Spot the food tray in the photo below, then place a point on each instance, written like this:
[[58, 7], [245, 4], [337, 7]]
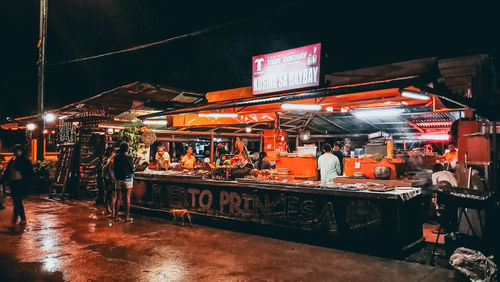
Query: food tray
[[342, 186], [384, 189], [247, 180], [310, 183]]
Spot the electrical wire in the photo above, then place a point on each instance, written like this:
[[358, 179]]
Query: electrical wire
[[165, 41]]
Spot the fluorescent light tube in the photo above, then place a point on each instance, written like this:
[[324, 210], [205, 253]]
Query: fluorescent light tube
[[301, 107], [414, 94], [155, 122], [219, 115], [378, 113]]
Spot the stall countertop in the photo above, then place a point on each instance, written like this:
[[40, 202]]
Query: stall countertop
[[399, 193]]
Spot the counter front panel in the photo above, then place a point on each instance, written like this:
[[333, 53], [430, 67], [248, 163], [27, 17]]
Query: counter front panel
[[389, 220]]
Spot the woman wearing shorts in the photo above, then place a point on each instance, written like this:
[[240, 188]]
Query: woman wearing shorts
[[124, 175]]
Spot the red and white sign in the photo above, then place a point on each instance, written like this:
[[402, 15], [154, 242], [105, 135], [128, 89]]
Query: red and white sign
[[286, 70]]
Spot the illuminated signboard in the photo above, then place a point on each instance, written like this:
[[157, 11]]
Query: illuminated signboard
[[286, 70]]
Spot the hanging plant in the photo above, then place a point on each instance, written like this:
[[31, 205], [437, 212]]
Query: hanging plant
[[132, 138]]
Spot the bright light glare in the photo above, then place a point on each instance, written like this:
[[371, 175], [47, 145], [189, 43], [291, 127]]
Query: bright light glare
[[110, 130], [49, 117], [302, 107], [437, 137], [329, 109], [155, 122], [378, 113], [344, 109], [248, 129], [219, 115], [30, 126], [414, 94]]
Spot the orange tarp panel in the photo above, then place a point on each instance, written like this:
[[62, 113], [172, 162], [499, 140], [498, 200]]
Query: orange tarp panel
[[230, 94], [275, 141], [195, 120], [368, 99], [7, 126], [303, 167], [34, 150], [465, 127]]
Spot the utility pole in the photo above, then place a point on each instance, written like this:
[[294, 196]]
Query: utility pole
[[41, 77]]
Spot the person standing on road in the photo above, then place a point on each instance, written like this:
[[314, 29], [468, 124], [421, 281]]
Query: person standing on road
[[2, 187], [19, 175], [108, 173], [124, 175]]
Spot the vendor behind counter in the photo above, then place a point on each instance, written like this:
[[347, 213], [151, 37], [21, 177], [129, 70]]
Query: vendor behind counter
[[328, 164]]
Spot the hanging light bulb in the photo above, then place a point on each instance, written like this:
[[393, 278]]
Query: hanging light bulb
[[304, 135], [31, 126], [49, 117]]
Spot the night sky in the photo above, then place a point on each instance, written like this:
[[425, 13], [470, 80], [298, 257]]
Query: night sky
[[353, 35]]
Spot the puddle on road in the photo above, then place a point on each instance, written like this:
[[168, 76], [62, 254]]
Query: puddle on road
[[13, 270]]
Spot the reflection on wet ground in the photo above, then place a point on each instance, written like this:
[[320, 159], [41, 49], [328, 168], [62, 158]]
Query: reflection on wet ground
[[74, 241]]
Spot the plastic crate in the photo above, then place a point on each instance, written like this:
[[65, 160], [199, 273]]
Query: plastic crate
[[306, 151]]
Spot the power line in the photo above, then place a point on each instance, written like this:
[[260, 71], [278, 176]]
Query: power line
[[143, 46], [165, 41]]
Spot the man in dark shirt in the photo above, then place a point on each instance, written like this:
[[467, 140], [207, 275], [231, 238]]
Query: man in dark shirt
[[340, 155], [124, 175], [261, 163], [19, 175]]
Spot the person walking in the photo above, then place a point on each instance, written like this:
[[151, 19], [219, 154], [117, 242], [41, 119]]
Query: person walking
[[124, 175], [19, 175]]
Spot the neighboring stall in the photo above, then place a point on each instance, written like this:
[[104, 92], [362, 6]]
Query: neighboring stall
[[83, 130]]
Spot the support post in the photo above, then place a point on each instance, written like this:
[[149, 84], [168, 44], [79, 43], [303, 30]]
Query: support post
[[212, 148], [41, 77], [262, 142]]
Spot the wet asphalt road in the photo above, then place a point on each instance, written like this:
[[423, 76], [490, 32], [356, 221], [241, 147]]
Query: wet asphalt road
[[74, 241]]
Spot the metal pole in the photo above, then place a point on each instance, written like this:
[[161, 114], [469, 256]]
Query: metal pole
[[212, 147], [494, 160], [41, 76]]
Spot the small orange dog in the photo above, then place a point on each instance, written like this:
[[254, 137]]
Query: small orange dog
[[181, 213]]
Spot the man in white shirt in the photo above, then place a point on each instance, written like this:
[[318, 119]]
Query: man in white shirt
[[441, 175], [328, 164]]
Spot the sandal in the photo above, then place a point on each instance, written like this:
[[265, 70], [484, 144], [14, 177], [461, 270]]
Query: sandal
[[118, 219], [129, 219]]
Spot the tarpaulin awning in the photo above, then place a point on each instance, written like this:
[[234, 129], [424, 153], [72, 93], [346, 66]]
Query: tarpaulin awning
[[134, 95]]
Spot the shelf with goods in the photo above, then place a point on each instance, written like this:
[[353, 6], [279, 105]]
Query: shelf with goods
[[91, 139]]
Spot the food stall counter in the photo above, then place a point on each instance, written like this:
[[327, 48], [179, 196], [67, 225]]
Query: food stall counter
[[345, 212]]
